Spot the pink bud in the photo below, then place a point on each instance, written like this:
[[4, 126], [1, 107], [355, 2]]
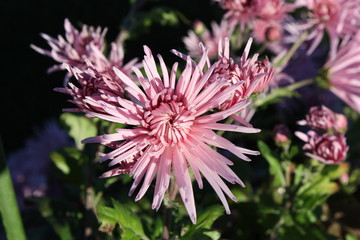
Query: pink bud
[[340, 123], [281, 133]]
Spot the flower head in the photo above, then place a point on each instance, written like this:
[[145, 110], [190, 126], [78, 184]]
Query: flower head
[[254, 75], [74, 46], [340, 19], [210, 39], [319, 118], [341, 74], [80, 47], [170, 132], [327, 148], [105, 86], [246, 11]]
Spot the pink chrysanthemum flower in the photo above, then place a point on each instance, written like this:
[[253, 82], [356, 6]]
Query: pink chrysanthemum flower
[[210, 39], [246, 11], [340, 19], [327, 148], [341, 74], [267, 31], [171, 132], [91, 84], [74, 47], [78, 47], [254, 74], [319, 118]]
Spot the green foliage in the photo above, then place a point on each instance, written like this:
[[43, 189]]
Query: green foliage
[[121, 214], [202, 229], [274, 164], [79, 127]]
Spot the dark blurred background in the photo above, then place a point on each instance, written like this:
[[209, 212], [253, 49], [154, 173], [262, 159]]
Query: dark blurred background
[[27, 96]]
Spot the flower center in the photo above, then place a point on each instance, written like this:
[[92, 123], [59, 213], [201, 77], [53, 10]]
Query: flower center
[[170, 122]]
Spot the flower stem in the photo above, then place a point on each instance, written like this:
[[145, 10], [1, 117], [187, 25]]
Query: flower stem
[[282, 92], [299, 84], [292, 50], [168, 209], [8, 205]]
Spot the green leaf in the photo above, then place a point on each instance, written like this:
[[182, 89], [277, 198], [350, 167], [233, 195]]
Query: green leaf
[[60, 162], [79, 127], [69, 161], [122, 215], [203, 226], [275, 166]]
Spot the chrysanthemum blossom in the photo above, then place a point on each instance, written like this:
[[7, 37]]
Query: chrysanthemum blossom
[[78, 47], [94, 85], [319, 118], [171, 131], [341, 74], [254, 74], [210, 39], [267, 31], [327, 148], [339, 18], [71, 49], [245, 11]]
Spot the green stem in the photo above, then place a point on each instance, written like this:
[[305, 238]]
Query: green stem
[[278, 92], [292, 50], [173, 190], [8, 205], [299, 84]]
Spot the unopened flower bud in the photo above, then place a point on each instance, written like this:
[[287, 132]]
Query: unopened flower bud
[[340, 123], [281, 134]]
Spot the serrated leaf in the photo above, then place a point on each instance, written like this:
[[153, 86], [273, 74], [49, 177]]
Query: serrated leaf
[[121, 214], [129, 219], [79, 127], [275, 167], [204, 222]]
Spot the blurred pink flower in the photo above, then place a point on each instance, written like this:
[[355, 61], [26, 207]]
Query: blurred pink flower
[[340, 19], [170, 131], [319, 118], [341, 74], [246, 11], [327, 148], [267, 30], [341, 123], [201, 34]]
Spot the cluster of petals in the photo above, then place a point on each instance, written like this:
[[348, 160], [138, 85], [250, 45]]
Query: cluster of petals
[[172, 125], [339, 18], [80, 46], [91, 88], [253, 74], [210, 39], [245, 12], [319, 118], [327, 148], [343, 73]]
